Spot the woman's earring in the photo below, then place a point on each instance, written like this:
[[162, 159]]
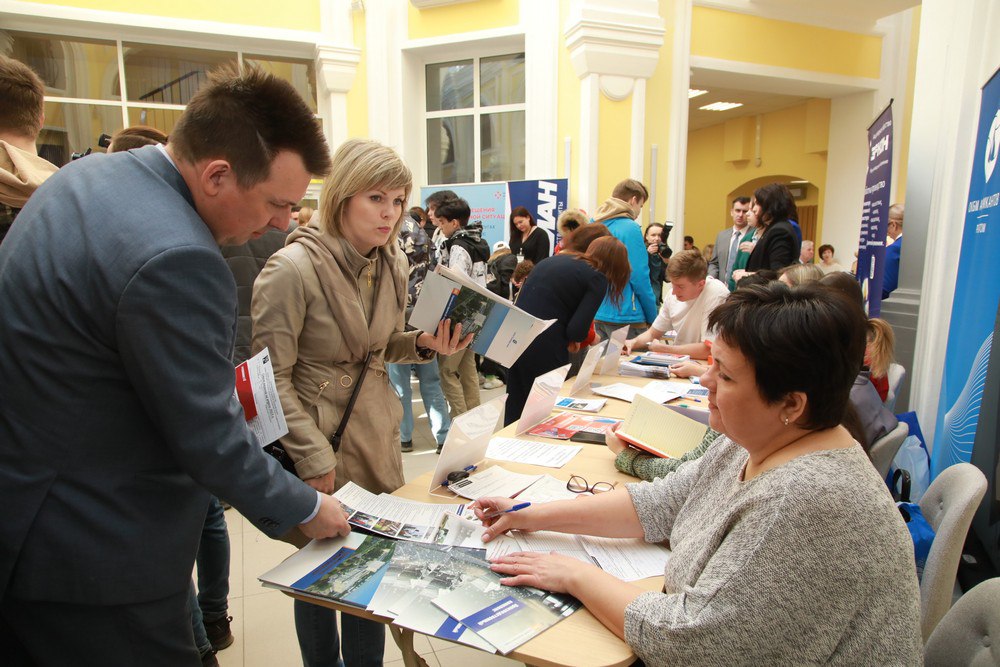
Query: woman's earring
[[786, 421]]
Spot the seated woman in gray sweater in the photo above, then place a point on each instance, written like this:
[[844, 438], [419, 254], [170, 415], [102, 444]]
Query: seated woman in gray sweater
[[787, 548]]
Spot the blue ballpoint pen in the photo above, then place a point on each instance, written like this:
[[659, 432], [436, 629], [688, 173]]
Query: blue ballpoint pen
[[495, 513]]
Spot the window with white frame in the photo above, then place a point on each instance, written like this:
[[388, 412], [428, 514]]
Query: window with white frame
[[475, 120], [95, 87]]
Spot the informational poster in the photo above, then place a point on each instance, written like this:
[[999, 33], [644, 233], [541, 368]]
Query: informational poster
[[544, 199], [974, 310], [875, 212], [487, 203]]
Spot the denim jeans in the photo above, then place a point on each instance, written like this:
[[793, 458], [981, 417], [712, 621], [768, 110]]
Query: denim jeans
[[211, 603], [363, 644], [430, 392]]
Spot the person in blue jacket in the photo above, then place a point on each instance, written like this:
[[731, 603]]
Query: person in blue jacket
[[637, 307], [890, 279]]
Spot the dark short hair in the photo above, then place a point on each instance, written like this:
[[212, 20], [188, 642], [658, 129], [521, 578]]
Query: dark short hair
[[689, 239], [758, 277], [247, 119], [454, 209], [741, 200], [776, 203], [23, 95], [136, 136], [809, 338], [435, 199], [846, 283], [418, 214]]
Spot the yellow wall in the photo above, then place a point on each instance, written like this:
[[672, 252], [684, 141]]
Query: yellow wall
[[567, 111], [716, 33], [357, 96], [613, 146], [292, 14], [463, 17], [710, 179]]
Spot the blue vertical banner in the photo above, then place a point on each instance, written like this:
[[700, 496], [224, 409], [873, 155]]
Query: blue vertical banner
[[977, 294], [545, 199], [875, 212], [487, 202]]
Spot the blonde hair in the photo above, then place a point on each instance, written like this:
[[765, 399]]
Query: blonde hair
[[360, 165], [305, 215], [798, 274], [881, 344]]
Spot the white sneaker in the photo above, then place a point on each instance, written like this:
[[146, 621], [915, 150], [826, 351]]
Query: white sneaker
[[492, 382], [482, 379]]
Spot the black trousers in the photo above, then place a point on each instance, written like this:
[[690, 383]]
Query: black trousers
[[60, 633]]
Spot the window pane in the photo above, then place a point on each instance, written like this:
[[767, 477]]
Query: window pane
[[450, 150], [300, 73], [69, 68], [73, 128], [501, 80], [167, 74], [449, 86], [162, 119], [502, 137]]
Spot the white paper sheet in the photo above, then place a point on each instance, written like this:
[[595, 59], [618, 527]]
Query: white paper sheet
[[467, 440], [582, 382], [609, 366], [533, 453], [494, 481], [541, 398], [545, 490], [581, 404], [627, 559], [257, 393], [659, 391]]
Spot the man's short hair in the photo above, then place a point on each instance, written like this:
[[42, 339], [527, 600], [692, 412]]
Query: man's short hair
[[897, 211], [454, 209], [630, 188], [23, 99], [808, 243], [687, 264], [247, 119], [689, 239], [435, 199], [136, 136], [741, 200]]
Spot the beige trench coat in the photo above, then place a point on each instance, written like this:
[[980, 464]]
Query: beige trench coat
[[315, 369]]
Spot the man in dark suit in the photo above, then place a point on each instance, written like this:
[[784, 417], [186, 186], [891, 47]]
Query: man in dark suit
[[728, 241], [117, 414]]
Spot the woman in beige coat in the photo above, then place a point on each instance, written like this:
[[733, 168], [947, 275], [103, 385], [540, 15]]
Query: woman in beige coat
[[334, 293]]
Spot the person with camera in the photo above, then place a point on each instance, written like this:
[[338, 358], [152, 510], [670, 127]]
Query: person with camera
[[693, 296], [659, 254]]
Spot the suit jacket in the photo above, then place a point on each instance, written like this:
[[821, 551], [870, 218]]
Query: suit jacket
[[777, 248], [720, 258], [116, 389], [890, 278]]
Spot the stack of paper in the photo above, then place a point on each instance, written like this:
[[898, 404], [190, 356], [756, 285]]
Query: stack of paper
[[530, 452]]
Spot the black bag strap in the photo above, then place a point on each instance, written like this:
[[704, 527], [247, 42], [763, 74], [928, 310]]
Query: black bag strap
[[336, 437], [904, 490]]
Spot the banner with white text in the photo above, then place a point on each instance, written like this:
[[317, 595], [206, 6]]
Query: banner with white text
[[875, 212], [546, 199]]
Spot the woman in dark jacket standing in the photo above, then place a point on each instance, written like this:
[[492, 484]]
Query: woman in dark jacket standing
[[527, 241], [567, 288], [779, 246]]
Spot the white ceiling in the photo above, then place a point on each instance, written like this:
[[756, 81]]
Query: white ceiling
[[860, 15], [754, 102]]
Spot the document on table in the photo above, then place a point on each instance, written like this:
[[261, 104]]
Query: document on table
[[400, 518], [533, 453], [582, 404], [547, 489], [494, 481], [657, 390], [629, 559], [257, 393]]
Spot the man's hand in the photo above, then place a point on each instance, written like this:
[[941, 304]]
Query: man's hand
[[323, 483], [330, 521]]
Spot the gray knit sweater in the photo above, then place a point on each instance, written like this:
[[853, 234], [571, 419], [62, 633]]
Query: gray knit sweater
[[808, 563]]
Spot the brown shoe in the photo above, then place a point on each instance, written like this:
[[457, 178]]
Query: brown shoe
[[219, 634]]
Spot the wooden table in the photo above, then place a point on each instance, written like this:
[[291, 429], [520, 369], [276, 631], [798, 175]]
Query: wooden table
[[579, 640]]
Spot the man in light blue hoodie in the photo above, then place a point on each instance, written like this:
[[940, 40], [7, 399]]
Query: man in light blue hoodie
[[638, 305]]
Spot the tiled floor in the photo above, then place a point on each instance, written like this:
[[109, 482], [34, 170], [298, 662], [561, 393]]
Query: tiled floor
[[262, 618]]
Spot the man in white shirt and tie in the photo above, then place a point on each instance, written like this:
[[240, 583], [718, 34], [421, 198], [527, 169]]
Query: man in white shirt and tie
[[728, 241]]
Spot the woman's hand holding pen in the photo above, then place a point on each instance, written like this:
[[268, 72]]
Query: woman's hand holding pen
[[445, 341], [486, 509]]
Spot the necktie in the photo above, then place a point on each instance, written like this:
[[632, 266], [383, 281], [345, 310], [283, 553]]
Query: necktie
[[734, 248]]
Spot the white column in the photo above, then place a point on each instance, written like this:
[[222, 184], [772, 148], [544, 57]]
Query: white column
[[336, 67], [637, 150], [678, 130], [541, 54], [590, 97]]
